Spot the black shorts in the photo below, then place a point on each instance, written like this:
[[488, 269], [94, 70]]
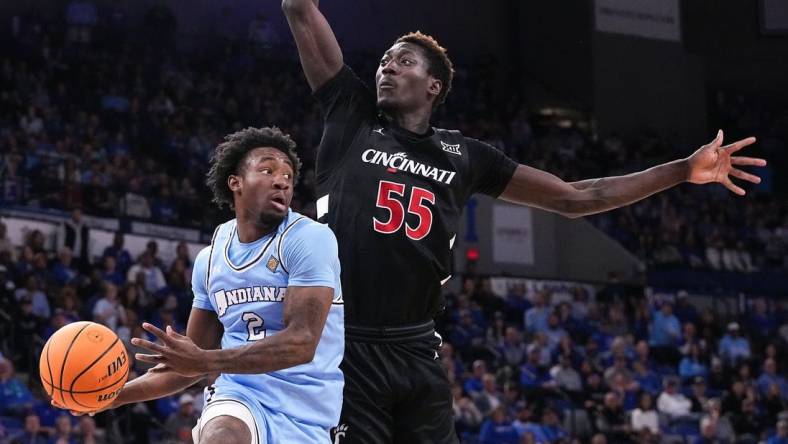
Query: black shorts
[[396, 389]]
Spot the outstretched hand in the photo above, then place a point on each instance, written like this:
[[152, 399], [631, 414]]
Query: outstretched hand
[[176, 352], [714, 162]]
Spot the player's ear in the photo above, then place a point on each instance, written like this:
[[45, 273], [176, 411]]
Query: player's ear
[[234, 182], [436, 86]]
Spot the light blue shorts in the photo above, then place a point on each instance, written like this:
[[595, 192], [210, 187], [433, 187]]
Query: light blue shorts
[[267, 426]]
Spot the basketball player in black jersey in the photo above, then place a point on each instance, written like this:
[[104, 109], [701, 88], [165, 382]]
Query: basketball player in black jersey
[[393, 188]]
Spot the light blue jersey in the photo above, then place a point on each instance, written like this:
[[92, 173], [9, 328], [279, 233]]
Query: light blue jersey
[[245, 285]]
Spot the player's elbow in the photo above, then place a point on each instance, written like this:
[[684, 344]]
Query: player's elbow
[[295, 7]]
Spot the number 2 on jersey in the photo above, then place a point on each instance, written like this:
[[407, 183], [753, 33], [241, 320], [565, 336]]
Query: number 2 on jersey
[[254, 326], [416, 205]]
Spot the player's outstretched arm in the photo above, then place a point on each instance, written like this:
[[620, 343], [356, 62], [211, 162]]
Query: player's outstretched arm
[[321, 57], [304, 314], [710, 163], [204, 329]]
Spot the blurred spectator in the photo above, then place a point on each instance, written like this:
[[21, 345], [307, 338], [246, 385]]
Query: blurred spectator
[[698, 395], [5, 242], [134, 204], [489, 398], [62, 271], [88, 434], [73, 234], [691, 365], [708, 432], [15, 398], [63, 431], [110, 273], [672, 402], [645, 415], [475, 383], [467, 416], [153, 277], [498, 429], [723, 428], [33, 432], [31, 292], [26, 335], [611, 420], [108, 310], [121, 255], [566, 377], [512, 350], [733, 348], [747, 423], [770, 377], [536, 317], [551, 429], [665, 333], [781, 434], [186, 416]]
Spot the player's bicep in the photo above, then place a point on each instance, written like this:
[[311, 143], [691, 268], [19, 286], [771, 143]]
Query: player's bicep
[[318, 49], [204, 329], [540, 189]]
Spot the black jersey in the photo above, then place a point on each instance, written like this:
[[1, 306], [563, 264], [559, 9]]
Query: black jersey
[[394, 200]]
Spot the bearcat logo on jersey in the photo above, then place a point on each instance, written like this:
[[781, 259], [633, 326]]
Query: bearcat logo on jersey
[[400, 161], [227, 298]]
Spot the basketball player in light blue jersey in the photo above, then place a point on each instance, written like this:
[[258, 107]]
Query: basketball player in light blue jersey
[[267, 314]]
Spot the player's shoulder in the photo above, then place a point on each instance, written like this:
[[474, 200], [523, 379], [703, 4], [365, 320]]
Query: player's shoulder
[[455, 140], [301, 227]]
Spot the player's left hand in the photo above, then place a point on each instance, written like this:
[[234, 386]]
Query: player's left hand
[[176, 352], [715, 163]]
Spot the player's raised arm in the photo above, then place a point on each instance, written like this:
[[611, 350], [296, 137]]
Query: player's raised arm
[[321, 57], [710, 163]]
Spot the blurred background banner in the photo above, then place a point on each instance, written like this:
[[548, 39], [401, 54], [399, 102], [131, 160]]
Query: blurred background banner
[[654, 19]]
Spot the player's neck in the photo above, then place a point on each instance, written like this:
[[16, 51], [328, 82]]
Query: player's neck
[[252, 230], [417, 121]]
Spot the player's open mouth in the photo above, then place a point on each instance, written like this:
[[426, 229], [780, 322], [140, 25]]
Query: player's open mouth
[[279, 203], [386, 85]]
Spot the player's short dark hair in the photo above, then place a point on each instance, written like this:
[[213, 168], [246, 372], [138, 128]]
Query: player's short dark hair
[[229, 156], [440, 66]]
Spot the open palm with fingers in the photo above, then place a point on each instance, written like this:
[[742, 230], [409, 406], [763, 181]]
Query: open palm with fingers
[[714, 162]]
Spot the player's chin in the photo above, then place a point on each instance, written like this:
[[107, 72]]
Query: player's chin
[[273, 215], [387, 103]]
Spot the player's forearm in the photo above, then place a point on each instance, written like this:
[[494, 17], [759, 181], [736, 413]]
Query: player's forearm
[[283, 350], [154, 385], [607, 193]]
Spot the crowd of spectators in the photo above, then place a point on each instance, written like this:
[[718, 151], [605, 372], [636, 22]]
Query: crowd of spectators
[[553, 365], [123, 130]]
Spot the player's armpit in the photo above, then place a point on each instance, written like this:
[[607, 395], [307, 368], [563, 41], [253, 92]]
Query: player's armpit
[[204, 329], [318, 49]]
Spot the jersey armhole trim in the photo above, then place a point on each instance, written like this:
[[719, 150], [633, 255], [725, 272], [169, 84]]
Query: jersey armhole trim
[[282, 238], [210, 255]]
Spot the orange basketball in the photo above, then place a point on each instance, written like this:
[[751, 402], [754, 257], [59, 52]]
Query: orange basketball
[[83, 366]]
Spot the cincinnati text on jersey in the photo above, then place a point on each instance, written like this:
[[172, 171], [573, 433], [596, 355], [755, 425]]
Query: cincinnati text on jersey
[[400, 161]]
